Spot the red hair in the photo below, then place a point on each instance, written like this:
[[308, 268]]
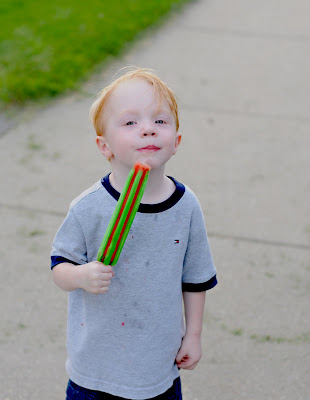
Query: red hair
[[162, 91]]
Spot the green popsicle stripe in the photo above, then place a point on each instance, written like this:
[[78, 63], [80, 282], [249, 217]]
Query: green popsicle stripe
[[113, 219], [129, 223], [122, 219], [123, 215]]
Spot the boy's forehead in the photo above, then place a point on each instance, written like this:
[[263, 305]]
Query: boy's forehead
[[134, 91], [131, 88]]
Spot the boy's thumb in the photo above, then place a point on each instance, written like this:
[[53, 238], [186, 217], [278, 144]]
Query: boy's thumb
[[179, 356]]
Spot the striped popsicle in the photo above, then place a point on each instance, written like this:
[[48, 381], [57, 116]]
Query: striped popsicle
[[123, 215]]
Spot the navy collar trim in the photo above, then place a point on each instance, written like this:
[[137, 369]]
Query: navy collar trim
[[149, 208]]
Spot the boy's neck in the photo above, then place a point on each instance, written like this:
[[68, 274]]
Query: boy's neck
[[158, 189]]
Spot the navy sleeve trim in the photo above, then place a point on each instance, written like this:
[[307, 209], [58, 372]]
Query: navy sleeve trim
[[199, 287], [58, 260]]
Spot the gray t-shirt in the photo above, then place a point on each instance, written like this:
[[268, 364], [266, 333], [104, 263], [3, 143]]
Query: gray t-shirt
[[125, 341]]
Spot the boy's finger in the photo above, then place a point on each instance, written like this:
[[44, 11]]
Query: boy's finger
[[105, 283], [182, 358], [187, 365], [106, 268], [106, 276], [192, 366]]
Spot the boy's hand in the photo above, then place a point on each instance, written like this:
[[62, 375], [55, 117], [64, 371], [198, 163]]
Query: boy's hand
[[190, 352], [96, 277]]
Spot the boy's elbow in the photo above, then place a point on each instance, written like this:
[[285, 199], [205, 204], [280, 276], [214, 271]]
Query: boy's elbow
[[65, 276], [55, 273], [58, 274]]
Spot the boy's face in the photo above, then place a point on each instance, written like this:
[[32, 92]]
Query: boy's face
[[137, 128]]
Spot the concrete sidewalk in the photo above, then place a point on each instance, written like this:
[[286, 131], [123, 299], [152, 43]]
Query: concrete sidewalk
[[241, 72]]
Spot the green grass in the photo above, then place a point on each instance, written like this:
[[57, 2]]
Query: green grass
[[304, 338], [47, 47]]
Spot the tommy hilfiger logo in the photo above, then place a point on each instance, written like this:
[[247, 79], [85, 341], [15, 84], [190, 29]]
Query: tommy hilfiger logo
[[176, 241]]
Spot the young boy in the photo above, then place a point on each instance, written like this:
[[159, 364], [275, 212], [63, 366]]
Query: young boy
[[125, 325]]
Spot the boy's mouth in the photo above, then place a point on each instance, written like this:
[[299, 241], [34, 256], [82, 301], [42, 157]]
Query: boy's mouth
[[149, 148]]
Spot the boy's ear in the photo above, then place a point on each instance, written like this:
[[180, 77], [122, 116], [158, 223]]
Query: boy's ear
[[104, 147], [177, 142]]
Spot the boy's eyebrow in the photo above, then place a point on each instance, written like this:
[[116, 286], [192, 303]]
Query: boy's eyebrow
[[128, 111], [160, 110]]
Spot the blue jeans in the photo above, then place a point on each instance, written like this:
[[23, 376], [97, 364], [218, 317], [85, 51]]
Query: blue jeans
[[76, 392]]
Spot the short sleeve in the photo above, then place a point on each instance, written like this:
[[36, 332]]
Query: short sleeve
[[69, 243], [198, 265]]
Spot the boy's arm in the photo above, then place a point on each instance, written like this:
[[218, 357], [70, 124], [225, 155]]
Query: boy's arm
[[190, 351], [93, 277]]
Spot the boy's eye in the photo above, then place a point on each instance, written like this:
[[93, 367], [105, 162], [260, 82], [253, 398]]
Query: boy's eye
[[130, 123], [160, 121]]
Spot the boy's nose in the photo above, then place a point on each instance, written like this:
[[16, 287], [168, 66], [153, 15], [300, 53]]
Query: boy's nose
[[148, 129], [148, 133]]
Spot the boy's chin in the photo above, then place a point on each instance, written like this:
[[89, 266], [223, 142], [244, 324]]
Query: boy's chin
[[152, 163], [142, 158], [146, 160]]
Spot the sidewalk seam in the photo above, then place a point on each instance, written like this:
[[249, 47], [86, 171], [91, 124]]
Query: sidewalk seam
[[210, 233]]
